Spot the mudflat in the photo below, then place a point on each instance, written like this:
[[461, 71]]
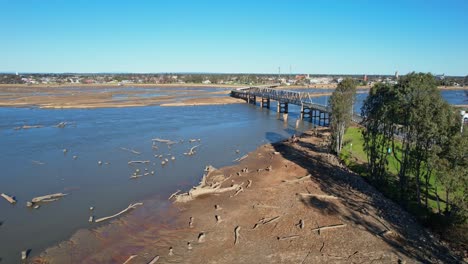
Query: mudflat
[[288, 202], [106, 96]]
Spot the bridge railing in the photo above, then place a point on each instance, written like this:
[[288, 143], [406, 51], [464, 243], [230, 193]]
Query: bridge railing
[[298, 98]]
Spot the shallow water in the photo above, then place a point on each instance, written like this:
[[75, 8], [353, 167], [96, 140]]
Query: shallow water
[[97, 135]]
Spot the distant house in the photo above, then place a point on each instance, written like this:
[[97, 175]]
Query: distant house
[[206, 82]]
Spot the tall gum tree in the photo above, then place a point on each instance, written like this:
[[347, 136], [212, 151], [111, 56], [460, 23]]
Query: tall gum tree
[[341, 103]]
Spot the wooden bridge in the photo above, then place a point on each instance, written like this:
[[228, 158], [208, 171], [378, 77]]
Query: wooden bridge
[[317, 113]]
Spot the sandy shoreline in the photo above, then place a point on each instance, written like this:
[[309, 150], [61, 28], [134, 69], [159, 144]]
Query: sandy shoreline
[[297, 204]]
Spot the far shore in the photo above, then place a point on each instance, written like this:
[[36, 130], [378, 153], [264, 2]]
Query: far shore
[[88, 96], [227, 86]]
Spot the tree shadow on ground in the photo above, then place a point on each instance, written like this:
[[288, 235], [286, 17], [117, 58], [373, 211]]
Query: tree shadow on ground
[[335, 179]]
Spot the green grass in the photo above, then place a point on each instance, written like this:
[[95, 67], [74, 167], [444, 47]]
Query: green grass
[[355, 158]]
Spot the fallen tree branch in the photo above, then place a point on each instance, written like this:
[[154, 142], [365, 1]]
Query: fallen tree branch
[[130, 258], [264, 221], [327, 227], [48, 198], [241, 158], [131, 206], [264, 206], [167, 141], [131, 150], [197, 191], [153, 261], [318, 196], [37, 162], [138, 161], [287, 237], [28, 127], [10, 199], [239, 190], [309, 176], [174, 194]]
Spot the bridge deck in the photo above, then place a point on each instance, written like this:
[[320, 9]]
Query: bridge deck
[[303, 99]]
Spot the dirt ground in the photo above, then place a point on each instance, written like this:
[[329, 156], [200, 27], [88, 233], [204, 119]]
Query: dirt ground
[[281, 215]]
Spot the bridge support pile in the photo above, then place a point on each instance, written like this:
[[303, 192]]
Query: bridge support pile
[[282, 107], [265, 103]]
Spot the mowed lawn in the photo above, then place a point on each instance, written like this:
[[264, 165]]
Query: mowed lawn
[[355, 158]]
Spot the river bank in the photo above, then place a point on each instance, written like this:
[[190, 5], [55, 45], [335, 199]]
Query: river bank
[[286, 202]]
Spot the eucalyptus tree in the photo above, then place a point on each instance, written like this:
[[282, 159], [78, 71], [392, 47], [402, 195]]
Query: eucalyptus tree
[[379, 129], [341, 103]]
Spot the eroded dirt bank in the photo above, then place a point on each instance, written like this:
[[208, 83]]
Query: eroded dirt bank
[[297, 204]]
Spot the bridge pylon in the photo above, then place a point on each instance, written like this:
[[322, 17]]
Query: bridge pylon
[[265, 103], [282, 107]]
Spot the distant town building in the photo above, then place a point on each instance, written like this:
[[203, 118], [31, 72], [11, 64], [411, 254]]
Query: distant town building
[[396, 75]]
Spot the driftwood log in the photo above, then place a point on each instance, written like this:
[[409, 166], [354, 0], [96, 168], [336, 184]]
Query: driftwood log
[[131, 206], [318, 196], [202, 189], [264, 221], [154, 260], [241, 158], [48, 198], [131, 150], [10, 199], [287, 237], [130, 258], [319, 229], [167, 141], [298, 179], [138, 161]]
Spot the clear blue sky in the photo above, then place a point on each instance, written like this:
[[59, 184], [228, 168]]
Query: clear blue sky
[[258, 36]]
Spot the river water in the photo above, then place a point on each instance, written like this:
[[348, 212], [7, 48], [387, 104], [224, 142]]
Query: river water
[[33, 161], [98, 135]]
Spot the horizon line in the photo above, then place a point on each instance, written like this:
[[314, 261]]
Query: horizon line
[[220, 73]]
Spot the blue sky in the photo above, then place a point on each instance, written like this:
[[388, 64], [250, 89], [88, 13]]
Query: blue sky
[[252, 36]]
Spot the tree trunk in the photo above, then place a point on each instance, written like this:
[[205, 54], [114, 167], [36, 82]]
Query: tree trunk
[[447, 204], [437, 199]]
